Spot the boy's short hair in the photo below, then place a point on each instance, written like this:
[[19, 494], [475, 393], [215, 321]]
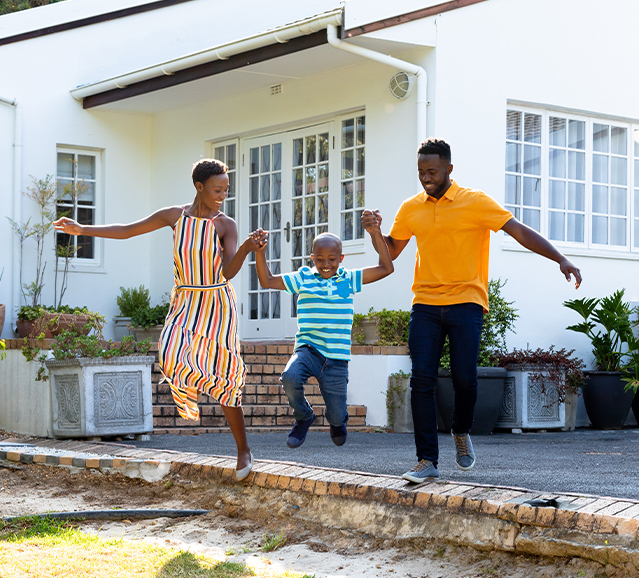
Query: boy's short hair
[[206, 168], [435, 146], [327, 237]]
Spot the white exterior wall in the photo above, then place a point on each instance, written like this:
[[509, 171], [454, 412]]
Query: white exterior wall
[[562, 54], [543, 52]]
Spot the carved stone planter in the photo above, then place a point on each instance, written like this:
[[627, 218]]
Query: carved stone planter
[[101, 397], [533, 404]]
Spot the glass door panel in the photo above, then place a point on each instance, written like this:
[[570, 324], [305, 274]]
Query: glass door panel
[[286, 179]]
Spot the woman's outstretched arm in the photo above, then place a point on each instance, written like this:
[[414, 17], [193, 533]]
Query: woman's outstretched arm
[[166, 217]]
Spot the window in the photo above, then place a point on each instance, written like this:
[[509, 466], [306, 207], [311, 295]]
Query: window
[[352, 177], [571, 178], [310, 194], [265, 211], [77, 181], [227, 153]]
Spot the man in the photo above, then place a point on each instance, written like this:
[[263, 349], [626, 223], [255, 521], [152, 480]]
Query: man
[[452, 228]]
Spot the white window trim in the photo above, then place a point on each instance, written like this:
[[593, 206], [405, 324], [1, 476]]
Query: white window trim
[[587, 248], [212, 145], [355, 246], [95, 265]]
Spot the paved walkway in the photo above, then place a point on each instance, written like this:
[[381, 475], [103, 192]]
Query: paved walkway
[[584, 461], [460, 509]]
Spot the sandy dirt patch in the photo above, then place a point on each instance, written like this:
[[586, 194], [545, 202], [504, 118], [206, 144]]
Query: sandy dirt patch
[[228, 532]]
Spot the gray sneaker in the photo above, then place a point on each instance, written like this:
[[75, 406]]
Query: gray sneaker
[[421, 472], [465, 456]]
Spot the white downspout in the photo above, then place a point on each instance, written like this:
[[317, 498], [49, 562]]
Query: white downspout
[[417, 71], [17, 204]]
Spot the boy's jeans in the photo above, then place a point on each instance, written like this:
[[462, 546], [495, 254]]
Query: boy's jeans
[[429, 325], [332, 376]]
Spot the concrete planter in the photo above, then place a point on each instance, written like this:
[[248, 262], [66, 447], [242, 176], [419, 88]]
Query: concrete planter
[[101, 397], [365, 333], [121, 328], [533, 404], [152, 333], [400, 414]]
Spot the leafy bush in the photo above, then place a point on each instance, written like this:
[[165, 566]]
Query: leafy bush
[[132, 299], [392, 326], [558, 367], [149, 316], [606, 322], [9, 6]]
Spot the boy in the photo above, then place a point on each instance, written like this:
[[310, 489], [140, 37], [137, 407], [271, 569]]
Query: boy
[[325, 319]]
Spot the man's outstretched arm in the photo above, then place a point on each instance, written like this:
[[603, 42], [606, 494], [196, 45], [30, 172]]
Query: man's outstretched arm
[[533, 241]]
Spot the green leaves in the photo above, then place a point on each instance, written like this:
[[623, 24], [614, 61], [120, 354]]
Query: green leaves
[[606, 321]]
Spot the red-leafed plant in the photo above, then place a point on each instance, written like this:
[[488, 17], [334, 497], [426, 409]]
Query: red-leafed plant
[[557, 367]]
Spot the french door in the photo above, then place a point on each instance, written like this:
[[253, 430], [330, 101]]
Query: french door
[[286, 186]]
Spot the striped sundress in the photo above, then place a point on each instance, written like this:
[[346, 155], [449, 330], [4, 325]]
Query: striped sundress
[[199, 345]]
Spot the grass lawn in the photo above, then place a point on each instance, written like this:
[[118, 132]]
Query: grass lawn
[[45, 548]]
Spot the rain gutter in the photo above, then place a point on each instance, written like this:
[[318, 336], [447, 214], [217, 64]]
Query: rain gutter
[[402, 65], [16, 200], [224, 51]]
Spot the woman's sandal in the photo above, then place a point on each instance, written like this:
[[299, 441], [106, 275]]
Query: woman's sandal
[[244, 472]]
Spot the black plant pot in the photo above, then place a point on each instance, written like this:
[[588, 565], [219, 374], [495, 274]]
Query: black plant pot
[[490, 398], [607, 404], [635, 406]]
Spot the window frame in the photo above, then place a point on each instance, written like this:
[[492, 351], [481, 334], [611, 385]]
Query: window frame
[[588, 247], [95, 264], [214, 145], [355, 245]]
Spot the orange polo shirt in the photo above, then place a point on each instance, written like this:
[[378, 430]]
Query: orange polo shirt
[[453, 242]]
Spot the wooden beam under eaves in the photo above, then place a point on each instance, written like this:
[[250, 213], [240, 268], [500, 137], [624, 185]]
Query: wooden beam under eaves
[[409, 17]]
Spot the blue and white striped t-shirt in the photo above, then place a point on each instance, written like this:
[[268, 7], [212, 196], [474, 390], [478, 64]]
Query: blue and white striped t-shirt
[[325, 309]]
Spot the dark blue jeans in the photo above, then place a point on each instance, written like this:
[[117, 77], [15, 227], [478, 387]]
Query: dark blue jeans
[[428, 328], [332, 376]]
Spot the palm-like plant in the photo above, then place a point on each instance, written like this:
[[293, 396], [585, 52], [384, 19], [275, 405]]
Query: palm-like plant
[[606, 321]]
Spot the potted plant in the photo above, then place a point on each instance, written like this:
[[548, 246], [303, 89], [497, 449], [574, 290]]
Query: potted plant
[[97, 388], [606, 322], [491, 378], [385, 327], [148, 321], [30, 321], [541, 390], [129, 301], [400, 415]]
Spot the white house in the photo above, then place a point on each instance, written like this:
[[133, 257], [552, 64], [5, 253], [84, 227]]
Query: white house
[[538, 99]]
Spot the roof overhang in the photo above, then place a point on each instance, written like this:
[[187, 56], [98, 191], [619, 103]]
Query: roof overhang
[[280, 41]]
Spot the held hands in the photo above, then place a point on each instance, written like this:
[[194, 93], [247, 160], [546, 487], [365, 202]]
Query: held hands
[[68, 226], [372, 221], [258, 240]]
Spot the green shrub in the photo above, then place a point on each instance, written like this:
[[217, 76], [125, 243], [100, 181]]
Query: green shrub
[[132, 299], [149, 316], [392, 326]]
